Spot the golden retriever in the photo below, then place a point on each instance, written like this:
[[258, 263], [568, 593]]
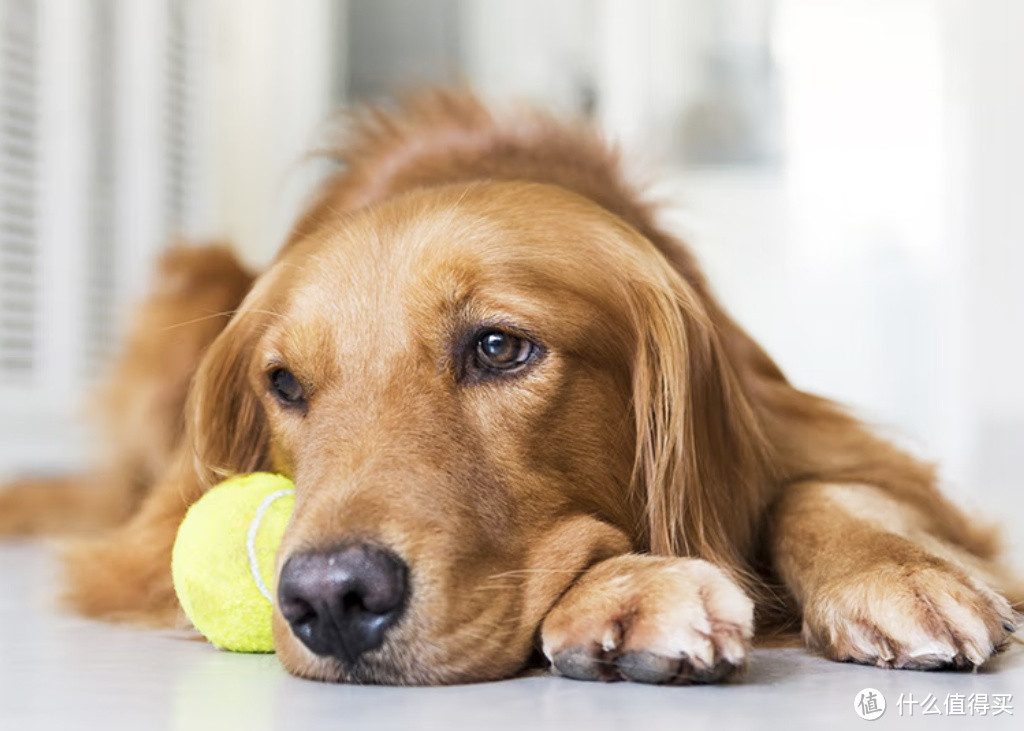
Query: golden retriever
[[517, 419]]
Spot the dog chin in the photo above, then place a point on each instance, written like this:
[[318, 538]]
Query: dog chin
[[384, 667]]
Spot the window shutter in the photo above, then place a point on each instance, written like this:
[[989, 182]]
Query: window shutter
[[19, 268]]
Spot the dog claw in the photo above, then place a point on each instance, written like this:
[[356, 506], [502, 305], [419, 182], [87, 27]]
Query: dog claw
[[577, 663]]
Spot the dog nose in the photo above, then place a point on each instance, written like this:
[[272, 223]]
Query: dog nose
[[341, 603]]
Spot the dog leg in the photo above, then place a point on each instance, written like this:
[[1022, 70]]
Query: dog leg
[[650, 619], [878, 585], [125, 575], [63, 505]]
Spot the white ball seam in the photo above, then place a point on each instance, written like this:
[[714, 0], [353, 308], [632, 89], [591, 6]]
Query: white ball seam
[[250, 540]]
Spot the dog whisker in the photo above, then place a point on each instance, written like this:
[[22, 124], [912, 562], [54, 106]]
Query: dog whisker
[[196, 320]]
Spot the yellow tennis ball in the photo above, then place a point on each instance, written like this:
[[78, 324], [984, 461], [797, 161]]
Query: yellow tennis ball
[[223, 559]]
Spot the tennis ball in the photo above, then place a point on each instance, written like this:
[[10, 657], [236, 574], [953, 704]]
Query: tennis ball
[[223, 559]]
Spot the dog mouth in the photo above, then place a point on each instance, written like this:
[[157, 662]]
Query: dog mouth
[[357, 613], [462, 640], [351, 618], [420, 661]]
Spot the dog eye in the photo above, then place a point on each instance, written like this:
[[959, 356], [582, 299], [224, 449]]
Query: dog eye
[[502, 351], [286, 387]]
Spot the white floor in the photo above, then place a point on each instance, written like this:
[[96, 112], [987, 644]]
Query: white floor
[[62, 672]]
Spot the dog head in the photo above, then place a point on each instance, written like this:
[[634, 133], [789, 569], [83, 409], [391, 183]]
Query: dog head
[[480, 390]]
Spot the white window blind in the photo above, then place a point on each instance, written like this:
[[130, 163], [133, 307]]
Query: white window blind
[[124, 125], [18, 180], [98, 129]]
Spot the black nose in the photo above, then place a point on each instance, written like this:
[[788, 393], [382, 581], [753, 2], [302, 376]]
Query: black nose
[[342, 602]]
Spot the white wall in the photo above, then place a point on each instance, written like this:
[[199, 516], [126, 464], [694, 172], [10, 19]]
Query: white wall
[[273, 81], [884, 264], [984, 65]]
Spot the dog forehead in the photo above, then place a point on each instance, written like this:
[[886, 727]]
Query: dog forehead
[[378, 265], [530, 254], [507, 231]]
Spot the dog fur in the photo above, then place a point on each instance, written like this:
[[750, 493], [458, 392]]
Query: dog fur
[[631, 503]]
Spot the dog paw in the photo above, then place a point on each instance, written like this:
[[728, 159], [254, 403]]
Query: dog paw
[[921, 617], [651, 620]]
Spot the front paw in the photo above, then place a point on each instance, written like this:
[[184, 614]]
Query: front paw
[[651, 620], [924, 616]]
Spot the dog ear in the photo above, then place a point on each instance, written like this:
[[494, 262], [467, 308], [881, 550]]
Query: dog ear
[[701, 458], [228, 427]]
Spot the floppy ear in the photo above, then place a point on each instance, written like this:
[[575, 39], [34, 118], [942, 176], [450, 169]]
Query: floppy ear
[[228, 427], [702, 462]]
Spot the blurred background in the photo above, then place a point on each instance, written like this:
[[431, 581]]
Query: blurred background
[[850, 171]]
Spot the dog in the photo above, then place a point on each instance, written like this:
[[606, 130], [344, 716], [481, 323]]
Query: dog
[[520, 426]]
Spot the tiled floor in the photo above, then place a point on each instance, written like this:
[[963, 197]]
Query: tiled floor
[[60, 672]]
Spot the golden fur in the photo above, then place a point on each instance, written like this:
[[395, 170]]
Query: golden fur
[[628, 504]]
